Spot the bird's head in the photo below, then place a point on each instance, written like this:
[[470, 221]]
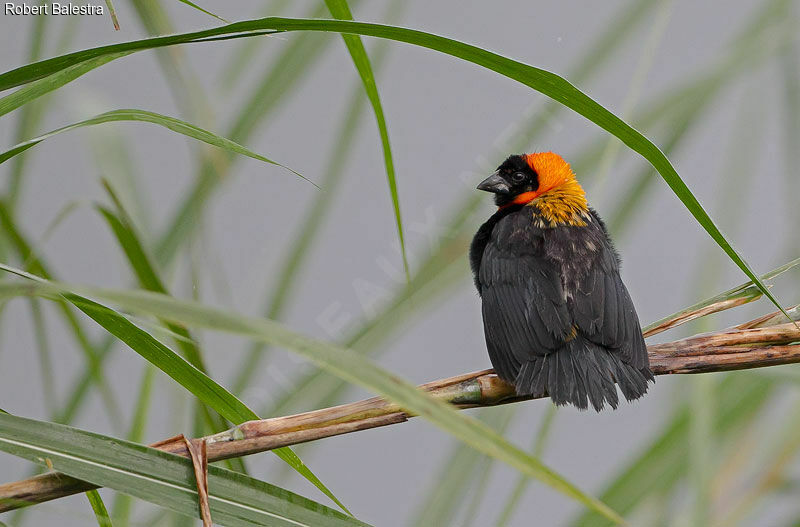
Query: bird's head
[[523, 178]]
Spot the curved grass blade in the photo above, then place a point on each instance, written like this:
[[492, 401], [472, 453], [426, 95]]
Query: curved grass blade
[[140, 261], [171, 123], [149, 279], [99, 508], [743, 292], [339, 9], [164, 479], [209, 13], [545, 82], [342, 362]]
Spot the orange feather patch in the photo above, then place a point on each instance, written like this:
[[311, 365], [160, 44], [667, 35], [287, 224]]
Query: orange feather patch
[[560, 197]]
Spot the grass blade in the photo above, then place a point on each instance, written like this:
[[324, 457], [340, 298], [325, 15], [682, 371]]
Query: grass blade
[[99, 508], [164, 479], [339, 9], [209, 13], [171, 123], [44, 355]]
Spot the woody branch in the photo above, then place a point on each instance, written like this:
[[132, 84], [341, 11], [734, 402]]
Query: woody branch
[[765, 341]]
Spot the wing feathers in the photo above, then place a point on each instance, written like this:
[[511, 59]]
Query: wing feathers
[[556, 322]]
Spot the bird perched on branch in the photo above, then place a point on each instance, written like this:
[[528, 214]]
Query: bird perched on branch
[[557, 318]]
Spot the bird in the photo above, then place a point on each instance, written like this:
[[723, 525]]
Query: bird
[[558, 320]]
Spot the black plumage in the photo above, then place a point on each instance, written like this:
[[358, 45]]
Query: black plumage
[[558, 320]]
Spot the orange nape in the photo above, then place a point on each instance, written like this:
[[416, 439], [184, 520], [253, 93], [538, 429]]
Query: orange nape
[[552, 171], [551, 168]]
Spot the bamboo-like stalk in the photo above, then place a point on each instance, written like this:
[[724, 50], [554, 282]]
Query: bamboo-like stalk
[[749, 345]]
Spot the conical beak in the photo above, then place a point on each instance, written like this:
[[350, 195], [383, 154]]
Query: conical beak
[[495, 183]]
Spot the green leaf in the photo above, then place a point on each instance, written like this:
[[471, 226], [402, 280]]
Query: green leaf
[[99, 508], [164, 479], [192, 4], [339, 9], [342, 362], [547, 83], [188, 376], [113, 14], [745, 291], [171, 123]]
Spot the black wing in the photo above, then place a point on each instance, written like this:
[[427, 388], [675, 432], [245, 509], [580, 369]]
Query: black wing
[[601, 306], [525, 311]]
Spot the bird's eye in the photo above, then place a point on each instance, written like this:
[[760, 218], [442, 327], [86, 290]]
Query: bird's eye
[[517, 177]]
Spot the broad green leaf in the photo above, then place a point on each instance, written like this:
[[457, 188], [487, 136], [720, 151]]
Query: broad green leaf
[[547, 83], [171, 123], [339, 9], [164, 479], [99, 508], [342, 362]]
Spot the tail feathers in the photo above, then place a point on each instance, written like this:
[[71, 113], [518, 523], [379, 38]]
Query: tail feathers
[[580, 374]]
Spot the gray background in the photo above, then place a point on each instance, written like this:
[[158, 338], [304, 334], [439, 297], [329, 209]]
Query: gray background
[[444, 117]]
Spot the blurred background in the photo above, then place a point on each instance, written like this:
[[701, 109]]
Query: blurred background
[[716, 87]]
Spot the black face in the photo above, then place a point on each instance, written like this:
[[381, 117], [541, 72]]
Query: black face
[[511, 179]]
